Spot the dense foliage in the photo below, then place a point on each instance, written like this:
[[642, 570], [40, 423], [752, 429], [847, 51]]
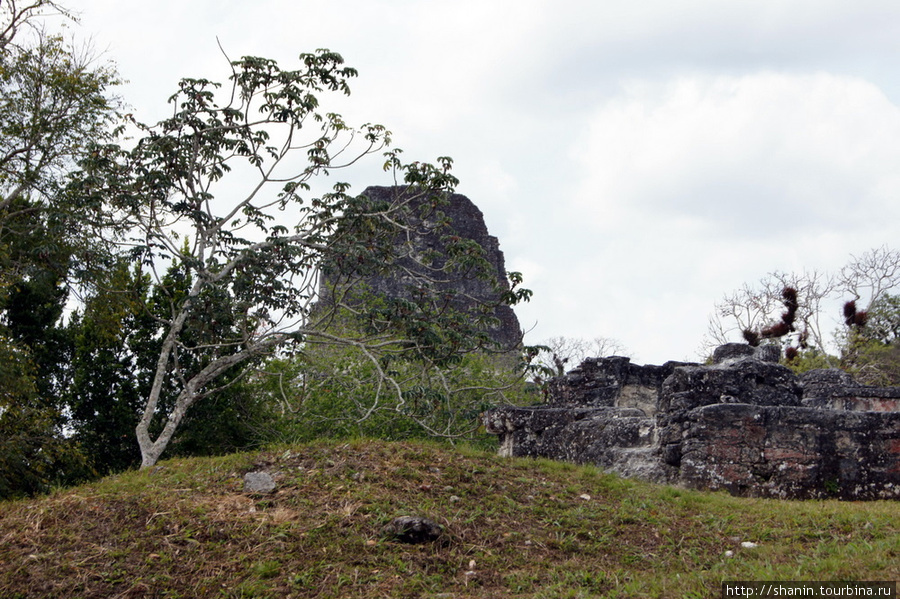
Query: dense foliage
[[871, 350], [54, 104], [243, 285], [156, 279]]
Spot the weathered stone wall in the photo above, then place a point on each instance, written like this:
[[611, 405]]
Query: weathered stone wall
[[614, 382], [745, 424], [791, 452], [836, 390]]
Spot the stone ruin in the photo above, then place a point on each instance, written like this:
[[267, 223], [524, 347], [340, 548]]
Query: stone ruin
[[467, 221], [744, 424]]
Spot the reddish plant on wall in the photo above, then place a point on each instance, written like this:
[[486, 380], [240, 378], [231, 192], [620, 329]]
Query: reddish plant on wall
[[782, 327], [790, 353], [751, 337], [775, 330], [852, 317]]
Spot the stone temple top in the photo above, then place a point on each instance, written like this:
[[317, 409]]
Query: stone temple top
[[467, 221], [745, 424]]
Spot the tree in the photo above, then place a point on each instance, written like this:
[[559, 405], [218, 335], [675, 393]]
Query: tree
[[871, 275], [33, 453], [760, 308], [870, 346], [231, 175], [868, 343], [53, 102], [15, 14], [338, 391], [559, 354], [112, 338], [883, 322], [35, 349], [819, 329], [117, 338], [228, 419]]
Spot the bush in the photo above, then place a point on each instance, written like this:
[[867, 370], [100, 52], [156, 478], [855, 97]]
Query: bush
[[339, 392]]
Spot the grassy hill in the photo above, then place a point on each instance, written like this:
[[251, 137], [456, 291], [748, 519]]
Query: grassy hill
[[513, 528]]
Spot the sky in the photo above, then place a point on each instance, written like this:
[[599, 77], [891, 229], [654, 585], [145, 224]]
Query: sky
[[636, 159]]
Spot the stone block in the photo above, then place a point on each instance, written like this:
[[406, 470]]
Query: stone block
[[745, 424]]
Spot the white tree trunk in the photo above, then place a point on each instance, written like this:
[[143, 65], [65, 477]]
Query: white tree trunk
[[152, 449]]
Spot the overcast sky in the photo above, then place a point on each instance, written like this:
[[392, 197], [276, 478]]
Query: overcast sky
[[636, 159]]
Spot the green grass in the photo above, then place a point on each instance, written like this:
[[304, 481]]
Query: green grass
[[514, 528]]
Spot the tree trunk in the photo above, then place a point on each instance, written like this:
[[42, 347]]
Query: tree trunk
[[151, 450]]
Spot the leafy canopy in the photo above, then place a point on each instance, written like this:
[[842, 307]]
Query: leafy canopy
[[222, 192]]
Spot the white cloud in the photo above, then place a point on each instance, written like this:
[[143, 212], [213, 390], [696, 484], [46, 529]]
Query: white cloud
[[760, 155], [688, 188]]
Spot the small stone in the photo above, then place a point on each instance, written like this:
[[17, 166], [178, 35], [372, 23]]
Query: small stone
[[259, 482], [585, 496], [729, 553], [413, 530], [749, 545], [454, 499]]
